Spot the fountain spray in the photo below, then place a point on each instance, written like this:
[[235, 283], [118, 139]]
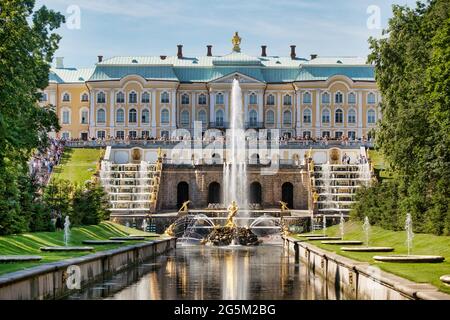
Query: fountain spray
[[366, 228], [341, 226], [324, 225], [66, 231], [409, 232]]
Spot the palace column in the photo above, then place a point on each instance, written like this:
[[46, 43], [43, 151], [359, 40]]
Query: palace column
[[245, 106], [92, 114], [227, 106], [279, 110], [193, 106], [360, 115], [298, 109], [317, 125], [260, 107], [153, 93], [212, 106], [111, 113], [174, 110]]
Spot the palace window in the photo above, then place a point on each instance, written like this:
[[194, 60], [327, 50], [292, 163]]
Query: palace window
[[219, 118], [371, 98], [120, 97], [84, 97], [325, 98], [120, 116], [165, 116], [351, 98], [185, 98], [66, 116], [326, 134], [307, 98], [202, 117], [270, 117], [165, 97], [84, 116], [253, 98], [101, 97], [43, 97], [326, 116], [65, 135], [66, 97], [145, 134], [101, 116], [202, 99], [371, 117], [287, 118], [338, 134], [101, 134], [307, 116], [352, 116], [219, 98], [145, 116], [145, 97], [306, 134], [287, 100], [185, 118], [352, 135], [132, 97], [132, 134], [120, 135], [132, 116], [338, 98], [339, 116], [270, 100], [253, 117]]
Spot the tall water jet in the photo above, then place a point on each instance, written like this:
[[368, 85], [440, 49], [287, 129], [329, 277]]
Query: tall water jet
[[66, 231], [409, 232], [235, 167], [366, 228], [342, 226], [324, 225]]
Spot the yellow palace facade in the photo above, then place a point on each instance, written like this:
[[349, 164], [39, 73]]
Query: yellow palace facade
[[151, 96]]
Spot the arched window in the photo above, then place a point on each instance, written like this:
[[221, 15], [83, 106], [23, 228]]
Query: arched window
[[339, 116], [287, 100], [253, 98], [120, 116], [371, 116], [132, 116], [185, 118], [101, 116], [326, 116], [287, 118], [145, 97], [270, 117], [219, 98], [84, 118], [253, 117], [43, 97], [307, 98], [352, 116], [325, 98], [132, 97], [66, 97], [84, 97], [165, 116], [202, 99], [270, 100], [120, 97], [165, 97], [307, 118], [219, 118], [338, 98], [65, 116], [101, 97], [146, 116], [202, 117], [351, 98], [371, 98], [185, 98]]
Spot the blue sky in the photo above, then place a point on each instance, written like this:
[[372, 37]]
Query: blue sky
[[155, 27]]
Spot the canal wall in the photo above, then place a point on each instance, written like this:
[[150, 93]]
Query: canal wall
[[52, 280], [357, 280]]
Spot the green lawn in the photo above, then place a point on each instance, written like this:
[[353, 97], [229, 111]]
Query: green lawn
[[423, 244], [30, 243], [77, 165], [379, 163]]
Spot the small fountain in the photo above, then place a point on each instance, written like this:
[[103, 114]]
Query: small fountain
[[66, 231], [342, 225], [410, 258], [366, 230], [341, 240], [144, 225]]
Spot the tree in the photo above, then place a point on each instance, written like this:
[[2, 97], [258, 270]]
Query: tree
[[412, 64], [26, 51]]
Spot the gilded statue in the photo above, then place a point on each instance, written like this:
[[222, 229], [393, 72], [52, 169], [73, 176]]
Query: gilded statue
[[184, 208], [315, 196], [284, 206], [160, 153], [236, 41], [232, 211], [170, 230]]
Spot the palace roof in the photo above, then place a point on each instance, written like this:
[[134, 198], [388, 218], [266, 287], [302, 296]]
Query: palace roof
[[203, 69]]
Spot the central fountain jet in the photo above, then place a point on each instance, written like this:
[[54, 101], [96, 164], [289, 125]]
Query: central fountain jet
[[235, 166]]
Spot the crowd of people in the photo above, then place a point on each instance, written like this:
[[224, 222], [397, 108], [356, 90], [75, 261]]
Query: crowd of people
[[361, 159], [43, 161]]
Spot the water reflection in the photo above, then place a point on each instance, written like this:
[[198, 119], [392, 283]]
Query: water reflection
[[198, 272]]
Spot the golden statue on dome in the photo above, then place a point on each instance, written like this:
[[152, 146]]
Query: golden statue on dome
[[236, 41]]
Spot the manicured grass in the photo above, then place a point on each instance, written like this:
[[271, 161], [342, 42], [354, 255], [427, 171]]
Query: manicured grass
[[423, 244], [30, 243], [77, 165]]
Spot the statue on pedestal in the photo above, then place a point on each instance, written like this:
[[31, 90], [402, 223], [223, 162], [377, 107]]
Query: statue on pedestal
[[232, 211], [236, 41]]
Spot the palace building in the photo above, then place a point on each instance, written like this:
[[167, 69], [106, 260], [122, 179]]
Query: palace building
[[150, 96]]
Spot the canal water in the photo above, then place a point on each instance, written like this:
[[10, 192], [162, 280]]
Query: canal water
[[211, 273]]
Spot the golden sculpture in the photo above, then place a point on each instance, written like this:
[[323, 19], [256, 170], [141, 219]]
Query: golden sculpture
[[236, 41], [315, 196], [184, 208], [160, 154], [232, 211], [153, 197], [136, 154], [284, 206], [170, 230]]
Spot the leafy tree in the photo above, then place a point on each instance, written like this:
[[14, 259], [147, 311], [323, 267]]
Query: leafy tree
[[27, 46]]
